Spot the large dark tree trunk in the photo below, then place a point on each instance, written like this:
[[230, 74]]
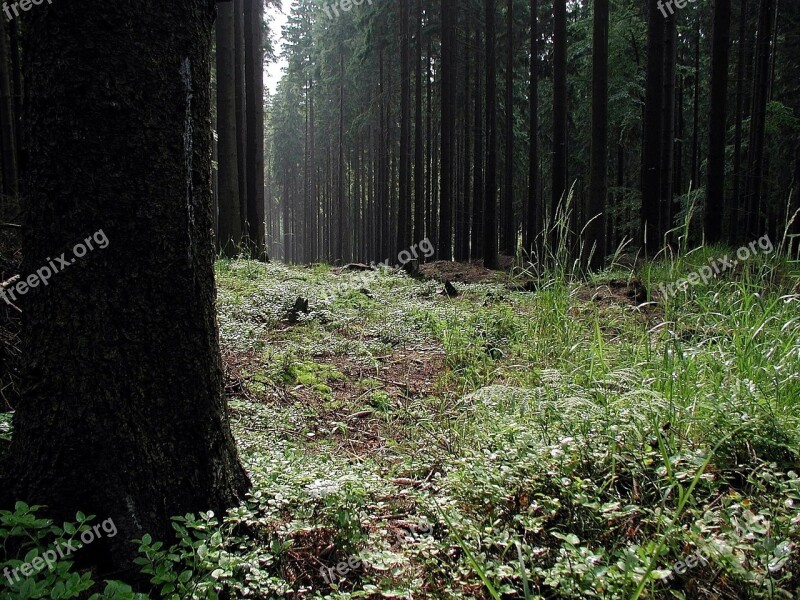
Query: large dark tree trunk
[[559, 187], [715, 195], [123, 413], [490, 195], [254, 83], [651, 153], [598, 186], [230, 219]]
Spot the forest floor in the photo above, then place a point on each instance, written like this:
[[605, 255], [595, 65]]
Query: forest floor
[[577, 440], [521, 439]]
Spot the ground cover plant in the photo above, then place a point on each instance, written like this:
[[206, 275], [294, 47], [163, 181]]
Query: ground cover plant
[[583, 439]]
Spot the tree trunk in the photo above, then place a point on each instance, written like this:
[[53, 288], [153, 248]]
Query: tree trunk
[[419, 156], [7, 120], [404, 205], [340, 164], [508, 238], [123, 377], [559, 187], [476, 246], [735, 212], [254, 83], [445, 249], [490, 196], [668, 125], [462, 223], [598, 186], [533, 224], [715, 196], [241, 110], [651, 153], [755, 221], [696, 116], [230, 221]]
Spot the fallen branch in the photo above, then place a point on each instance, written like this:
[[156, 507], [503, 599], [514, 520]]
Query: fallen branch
[[10, 226], [9, 282]]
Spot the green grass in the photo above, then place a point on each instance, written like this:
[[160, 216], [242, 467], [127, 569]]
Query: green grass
[[571, 445]]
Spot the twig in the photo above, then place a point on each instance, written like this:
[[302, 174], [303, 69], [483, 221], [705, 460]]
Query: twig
[[9, 282], [10, 226]]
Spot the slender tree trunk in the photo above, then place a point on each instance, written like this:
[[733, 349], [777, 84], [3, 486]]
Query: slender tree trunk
[[476, 246], [696, 116], [462, 228], [668, 126], [230, 220], [735, 212], [755, 213], [448, 16], [419, 157], [7, 120], [598, 186], [490, 196], [254, 82], [241, 111], [651, 154], [340, 209], [120, 382], [508, 238], [560, 176], [404, 225], [715, 196], [534, 214]]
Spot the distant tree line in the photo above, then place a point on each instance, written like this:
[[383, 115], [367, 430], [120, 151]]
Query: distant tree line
[[495, 127]]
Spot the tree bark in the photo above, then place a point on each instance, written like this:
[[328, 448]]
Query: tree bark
[[715, 196], [254, 84], [448, 15], [533, 222], [755, 218], [7, 120], [490, 195], [241, 110], [651, 153], [419, 156], [123, 378], [230, 220], [404, 205], [735, 212], [559, 186], [476, 243], [598, 186], [508, 238]]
